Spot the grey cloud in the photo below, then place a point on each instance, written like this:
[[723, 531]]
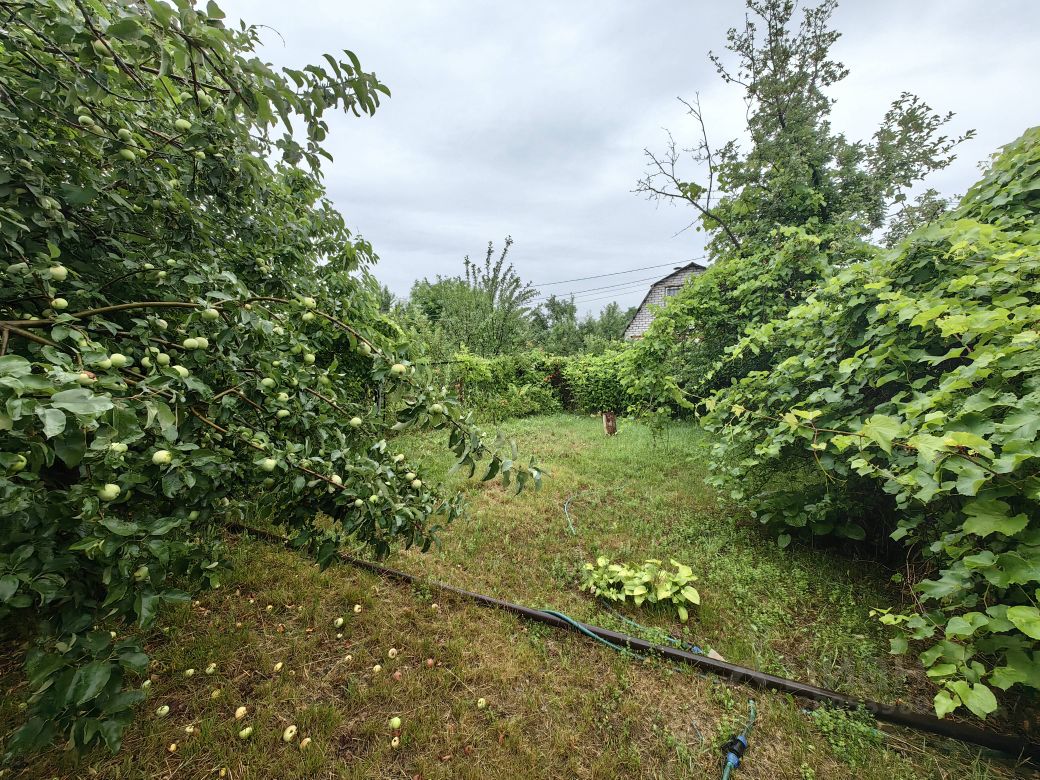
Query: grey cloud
[[530, 118]]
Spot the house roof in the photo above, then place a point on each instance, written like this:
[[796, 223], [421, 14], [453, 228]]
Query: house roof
[[678, 269]]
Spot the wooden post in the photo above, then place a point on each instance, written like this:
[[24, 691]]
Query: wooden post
[[609, 423]]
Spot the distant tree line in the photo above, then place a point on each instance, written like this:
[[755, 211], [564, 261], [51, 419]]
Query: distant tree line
[[489, 310]]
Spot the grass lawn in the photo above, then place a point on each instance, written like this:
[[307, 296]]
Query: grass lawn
[[558, 705]]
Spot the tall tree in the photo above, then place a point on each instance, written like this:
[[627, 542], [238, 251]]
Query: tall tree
[[487, 310], [781, 204], [555, 326]]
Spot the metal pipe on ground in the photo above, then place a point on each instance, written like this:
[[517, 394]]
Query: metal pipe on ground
[[1005, 743]]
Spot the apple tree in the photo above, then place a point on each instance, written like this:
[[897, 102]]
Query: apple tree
[[188, 336]]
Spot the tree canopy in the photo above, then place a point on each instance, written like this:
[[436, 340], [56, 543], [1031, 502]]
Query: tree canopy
[[188, 337], [782, 206]]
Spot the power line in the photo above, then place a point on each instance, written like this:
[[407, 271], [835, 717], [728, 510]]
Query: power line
[[617, 273], [595, 294], [594, 289], [598, 296], [609, 296]]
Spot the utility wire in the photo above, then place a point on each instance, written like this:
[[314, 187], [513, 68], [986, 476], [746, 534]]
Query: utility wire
[[569, 293], [613, 296], [618, 273]]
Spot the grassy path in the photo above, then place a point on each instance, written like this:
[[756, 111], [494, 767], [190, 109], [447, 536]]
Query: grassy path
[[558, 706]]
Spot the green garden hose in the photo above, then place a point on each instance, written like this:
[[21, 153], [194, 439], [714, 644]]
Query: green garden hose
[[650, 631], [580, 628]]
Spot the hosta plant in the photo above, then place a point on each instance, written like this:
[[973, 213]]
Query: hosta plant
[[187, 334], [650, 583]]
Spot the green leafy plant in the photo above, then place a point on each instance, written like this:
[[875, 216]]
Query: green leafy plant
[[506, 386], [650, 583], [904, 400], [798, 199], [594, 382], [188, 337], [852, 734]]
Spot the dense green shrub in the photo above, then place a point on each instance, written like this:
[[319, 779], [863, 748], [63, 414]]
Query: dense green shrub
[[904, 398], [533, 382], [678, 362], [594, 383], [187, 338], [517, 385]]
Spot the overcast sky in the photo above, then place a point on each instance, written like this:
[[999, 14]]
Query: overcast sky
[[530, 118]]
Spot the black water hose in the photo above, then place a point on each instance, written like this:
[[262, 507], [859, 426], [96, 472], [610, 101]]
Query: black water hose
[[1004, 743]]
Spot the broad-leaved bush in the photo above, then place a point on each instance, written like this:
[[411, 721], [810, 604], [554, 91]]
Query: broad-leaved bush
[[188, 338], [903, 398]]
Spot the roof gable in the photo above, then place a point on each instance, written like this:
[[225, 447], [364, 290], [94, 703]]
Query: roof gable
[[691, 267]]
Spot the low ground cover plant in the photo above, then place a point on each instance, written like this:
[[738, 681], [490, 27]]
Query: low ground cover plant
[[648, 583]]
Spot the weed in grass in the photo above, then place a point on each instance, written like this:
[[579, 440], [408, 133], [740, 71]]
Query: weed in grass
[[852, 735]]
